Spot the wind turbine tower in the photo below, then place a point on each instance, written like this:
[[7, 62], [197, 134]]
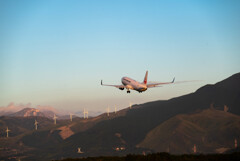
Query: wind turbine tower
[[55, 119], [130, 105], [194, 149], [85, 113], [108, 111], [235, 143], [36, 123], [7, 131], [168, 149], [79, 151], [71, 117]]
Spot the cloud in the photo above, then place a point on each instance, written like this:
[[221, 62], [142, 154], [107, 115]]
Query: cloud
[[14, 108]]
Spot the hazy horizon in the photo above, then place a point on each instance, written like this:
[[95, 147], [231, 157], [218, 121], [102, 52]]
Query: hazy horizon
[[55, 53]]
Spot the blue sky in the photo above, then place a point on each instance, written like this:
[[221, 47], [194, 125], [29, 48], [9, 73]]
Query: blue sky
[[56, 52]]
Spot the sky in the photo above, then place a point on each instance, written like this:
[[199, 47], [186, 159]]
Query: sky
[[56, 52]]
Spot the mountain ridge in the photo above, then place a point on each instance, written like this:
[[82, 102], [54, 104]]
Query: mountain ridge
[[128, 128], [146, 117], [198, 128]]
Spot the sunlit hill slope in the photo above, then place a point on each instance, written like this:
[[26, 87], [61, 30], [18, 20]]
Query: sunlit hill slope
[[211, 131], [173, 125]]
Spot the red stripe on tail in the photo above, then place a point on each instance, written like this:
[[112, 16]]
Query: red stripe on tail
[[145, 78]]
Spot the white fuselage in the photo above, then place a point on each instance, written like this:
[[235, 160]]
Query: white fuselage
[[134, 85], [128, 83]]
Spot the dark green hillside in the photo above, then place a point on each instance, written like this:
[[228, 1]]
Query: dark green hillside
[[209, 130]]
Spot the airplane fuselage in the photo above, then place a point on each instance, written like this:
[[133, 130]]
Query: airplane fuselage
[[134, 85], [128, 83]]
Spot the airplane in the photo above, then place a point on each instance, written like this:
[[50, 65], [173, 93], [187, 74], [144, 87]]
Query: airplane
[[129, 83]]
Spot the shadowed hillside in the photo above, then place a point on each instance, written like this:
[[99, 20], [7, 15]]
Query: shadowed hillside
[[20, 125], [140, 129], [141, 119], [164, 157], [100, 135], [210, 130]]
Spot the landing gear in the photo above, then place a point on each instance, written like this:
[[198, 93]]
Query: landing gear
[[128, 91]]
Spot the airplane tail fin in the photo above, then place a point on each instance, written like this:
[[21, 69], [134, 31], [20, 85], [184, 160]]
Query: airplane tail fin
[[145, 78]]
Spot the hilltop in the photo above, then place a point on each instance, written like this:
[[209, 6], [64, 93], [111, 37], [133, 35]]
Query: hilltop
[[175, 124], [211, 130]]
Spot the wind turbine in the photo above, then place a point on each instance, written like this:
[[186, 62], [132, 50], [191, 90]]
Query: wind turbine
[[79, 151], [36, 123], [130, 105], [235, 143], [194, 149], [7, 131], [168, 149], [85, 112], [55, 119], [71, 117], [108, 111]]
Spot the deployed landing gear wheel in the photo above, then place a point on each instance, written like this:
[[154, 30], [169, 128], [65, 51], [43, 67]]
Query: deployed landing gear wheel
[[128, 91]]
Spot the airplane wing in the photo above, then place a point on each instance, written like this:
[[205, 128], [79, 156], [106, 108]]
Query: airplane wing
[[117, 86], [151, 85]]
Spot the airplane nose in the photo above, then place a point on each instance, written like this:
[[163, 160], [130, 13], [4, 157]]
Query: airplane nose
[[122, 80]]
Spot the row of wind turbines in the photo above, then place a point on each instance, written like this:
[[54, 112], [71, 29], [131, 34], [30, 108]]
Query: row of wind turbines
[[85, 116]]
